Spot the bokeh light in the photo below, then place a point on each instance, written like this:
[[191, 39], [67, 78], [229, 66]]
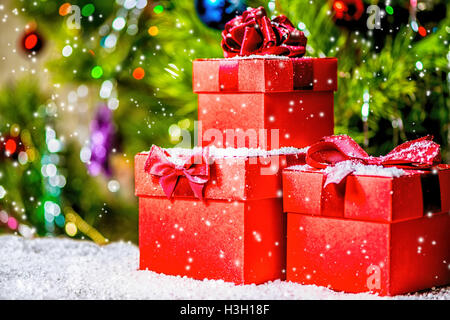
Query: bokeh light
[[12, 223], [67, 51], [422, 31], [419, 65], [138, 73], [88, 10], [10, 146], [113, 185], [65, 9], [96, 72], [2, 192], [31, 41], [71, 229], [153, 31], [158, 9], [118, 23]]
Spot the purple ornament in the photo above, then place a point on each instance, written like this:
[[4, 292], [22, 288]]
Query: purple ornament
[[102, 136]]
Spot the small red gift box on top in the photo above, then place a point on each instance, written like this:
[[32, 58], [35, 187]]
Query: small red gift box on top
[[264, 95], [236, 232], [265, 102], [378, 229]]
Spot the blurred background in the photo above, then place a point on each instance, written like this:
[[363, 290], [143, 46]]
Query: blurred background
[[85, 85]]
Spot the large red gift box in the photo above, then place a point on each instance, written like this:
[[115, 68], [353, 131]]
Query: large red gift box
[[289, 99], [235, 233], [384, 234]]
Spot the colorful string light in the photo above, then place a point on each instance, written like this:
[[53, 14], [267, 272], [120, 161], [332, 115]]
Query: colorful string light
[[389, 10], [422, 31], [96, 72], [49, 210], [138, 73], [414, 24], [14, 225], [65, 9], [153, 31], [30, 41], [365, 111], [10, 146], [88, 10], [118, 23], [158, 9], [2, 192], [419, 65]]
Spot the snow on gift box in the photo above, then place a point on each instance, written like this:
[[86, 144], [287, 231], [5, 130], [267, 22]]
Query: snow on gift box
[[358, 223], [213, 213], [264, 84]]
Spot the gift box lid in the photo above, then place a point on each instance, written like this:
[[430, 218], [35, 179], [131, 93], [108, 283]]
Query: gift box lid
[[234, 174], [371, 192], [265, 73]]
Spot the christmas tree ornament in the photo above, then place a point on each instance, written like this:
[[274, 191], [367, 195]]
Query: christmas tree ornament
[[102, 136], [215, 13]]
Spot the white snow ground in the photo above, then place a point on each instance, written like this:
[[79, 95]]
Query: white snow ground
[[61, 268]]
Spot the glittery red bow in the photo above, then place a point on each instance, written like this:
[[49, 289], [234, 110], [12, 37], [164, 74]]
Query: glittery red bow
[[253, 33], [421, 153], [196, 172]]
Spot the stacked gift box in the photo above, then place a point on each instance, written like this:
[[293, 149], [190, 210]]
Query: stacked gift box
[[358, 227], [290, 99], [232, 230], [271, 194]]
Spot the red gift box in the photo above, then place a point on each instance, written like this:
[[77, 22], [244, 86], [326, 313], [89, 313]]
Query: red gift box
[[290, 99], [387, 235], [236, 233]]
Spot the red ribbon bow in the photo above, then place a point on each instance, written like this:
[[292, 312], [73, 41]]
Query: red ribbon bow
[[421, 154], [253, 33], [194, 168]]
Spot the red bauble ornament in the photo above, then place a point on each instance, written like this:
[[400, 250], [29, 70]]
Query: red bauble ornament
[[348, 10]]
